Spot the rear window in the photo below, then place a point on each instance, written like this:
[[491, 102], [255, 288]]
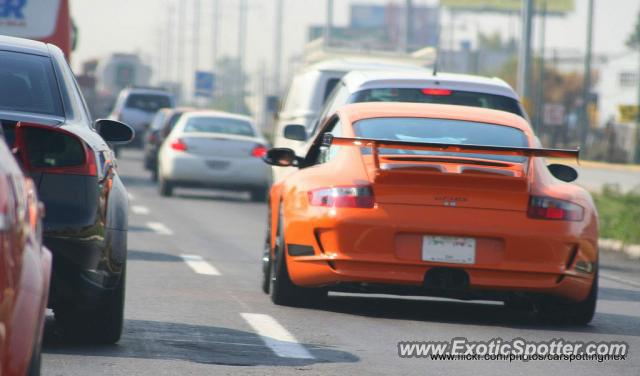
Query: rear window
[[453, 97], [148, 102], [28, 84], [444, 131], [219, 125]]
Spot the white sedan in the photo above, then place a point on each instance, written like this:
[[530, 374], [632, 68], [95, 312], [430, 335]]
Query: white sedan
[[208, 149]]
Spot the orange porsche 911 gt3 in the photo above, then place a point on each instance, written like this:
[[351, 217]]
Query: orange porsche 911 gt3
[[439, 200]]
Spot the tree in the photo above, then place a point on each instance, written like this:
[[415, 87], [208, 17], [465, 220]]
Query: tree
[[230, 96], [634, 38]]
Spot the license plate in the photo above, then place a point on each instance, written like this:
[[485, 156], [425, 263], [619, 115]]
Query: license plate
[[217, 165], [450, 249]]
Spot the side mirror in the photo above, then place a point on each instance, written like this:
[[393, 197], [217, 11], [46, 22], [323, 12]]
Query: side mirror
[[563, 172], [283, 157], [295, 132], [114, 131]]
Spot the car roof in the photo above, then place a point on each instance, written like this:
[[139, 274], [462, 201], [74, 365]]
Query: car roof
[[23, 45], [349, 64], [220, 114], [136, 90], [372, 79], [359, 111]]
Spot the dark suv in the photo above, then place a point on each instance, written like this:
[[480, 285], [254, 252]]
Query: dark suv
[[47, 124]]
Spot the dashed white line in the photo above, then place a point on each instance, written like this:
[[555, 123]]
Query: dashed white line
[[159, 228], [138, 209], [199, 265], [131, 197], [619, 280], [276, 337]]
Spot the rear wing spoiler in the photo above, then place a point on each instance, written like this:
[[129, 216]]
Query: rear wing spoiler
[[375, 145]]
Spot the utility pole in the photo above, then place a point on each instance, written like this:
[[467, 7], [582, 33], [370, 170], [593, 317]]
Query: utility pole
[[277, 49], [329, 25], [586, 88], [540, 95], [242, 39], [196, 45], [524, 59], [409, 25]]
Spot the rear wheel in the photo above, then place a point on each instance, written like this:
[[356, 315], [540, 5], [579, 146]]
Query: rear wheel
[[154, 174], [101, 324], [259, 194], [36, 360], [282, 290], [165, 187], [581, 313]]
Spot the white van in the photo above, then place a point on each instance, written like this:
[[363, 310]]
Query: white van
[[309, 90]]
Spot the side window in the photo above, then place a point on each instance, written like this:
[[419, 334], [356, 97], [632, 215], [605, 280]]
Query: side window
[[336, 99], [325, 154]]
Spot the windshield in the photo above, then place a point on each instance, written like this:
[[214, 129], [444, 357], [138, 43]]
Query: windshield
[[443, 131], [28, 84], [148, 102], [439, 96], [219, 125]]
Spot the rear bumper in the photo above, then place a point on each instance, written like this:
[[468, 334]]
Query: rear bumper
[[384, 246], [189, 170]]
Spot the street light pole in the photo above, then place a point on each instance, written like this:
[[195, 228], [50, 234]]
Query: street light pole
[[637, 149], [540, 95], [586, 88], [277, 51], [329, 25], [524, 60]]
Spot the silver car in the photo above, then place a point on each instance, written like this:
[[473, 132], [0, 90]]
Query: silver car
[[208, 149]]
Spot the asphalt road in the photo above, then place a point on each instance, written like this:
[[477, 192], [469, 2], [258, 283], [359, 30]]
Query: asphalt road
[[204, 314]]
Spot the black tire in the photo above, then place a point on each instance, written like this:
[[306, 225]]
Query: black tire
[[282, 290], [581, 313], [259, 194], [154, 174], [266, 257], [98, 325], [35, 364], [165, 188]]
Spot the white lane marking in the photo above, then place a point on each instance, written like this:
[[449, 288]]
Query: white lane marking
[[198, 265], [131, 197], [276, 337], [619, 280], [139, 209], [159, 228]]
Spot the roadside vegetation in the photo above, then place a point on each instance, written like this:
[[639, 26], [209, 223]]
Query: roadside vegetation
[[619, 214]]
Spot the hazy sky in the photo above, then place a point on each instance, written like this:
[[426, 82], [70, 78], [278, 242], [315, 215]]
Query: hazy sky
[[142, 25]]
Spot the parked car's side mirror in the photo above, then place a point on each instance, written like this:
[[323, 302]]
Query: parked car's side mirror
[[563, 172], [114, 131], [295, 132], [283, 157]]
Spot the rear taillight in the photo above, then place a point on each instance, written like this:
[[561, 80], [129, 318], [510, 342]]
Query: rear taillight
[[436, 92], [554, 209], [259, 151], [342, 197], [178, 145]]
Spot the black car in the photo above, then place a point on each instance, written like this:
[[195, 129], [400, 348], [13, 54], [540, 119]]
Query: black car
[[160, 127], [46, 121]]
